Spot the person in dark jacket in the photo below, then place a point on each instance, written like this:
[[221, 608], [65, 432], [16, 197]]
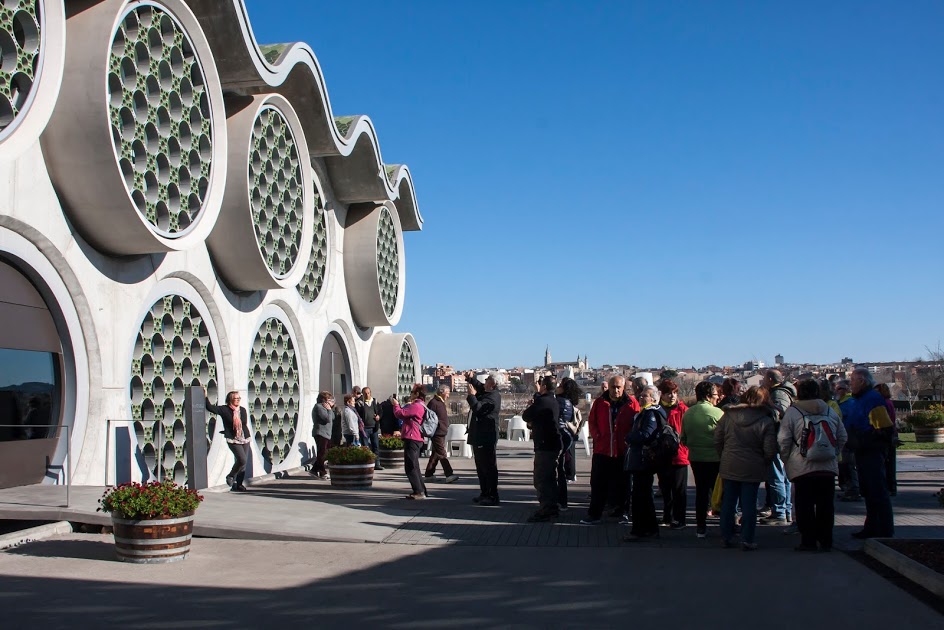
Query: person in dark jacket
[[388, 422], [568, 396], [645, 523], [485, 405], [322, 417], [438, 406], [870, 433], [368, 408], [746, 441], [542, 418], [236, 432], [731, 390]]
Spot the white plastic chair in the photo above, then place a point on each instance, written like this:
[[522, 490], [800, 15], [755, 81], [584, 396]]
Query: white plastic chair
[[517, 425], [457, 441], [584, 436]]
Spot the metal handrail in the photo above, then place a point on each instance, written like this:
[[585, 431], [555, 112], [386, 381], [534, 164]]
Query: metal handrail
[[68, 462]]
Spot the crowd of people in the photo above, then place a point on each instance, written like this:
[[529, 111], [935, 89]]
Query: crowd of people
[[796, 439]]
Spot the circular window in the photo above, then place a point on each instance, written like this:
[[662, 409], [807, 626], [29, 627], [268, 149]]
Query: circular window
[[406, 371], [173, 350], [388, 262], [313, 280], [275, 191], [161, 124], [20, 39], [274, 391]]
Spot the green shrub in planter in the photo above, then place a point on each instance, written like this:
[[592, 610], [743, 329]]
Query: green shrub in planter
[[932, 418], [157, 499], [391, 443], [345, 455]]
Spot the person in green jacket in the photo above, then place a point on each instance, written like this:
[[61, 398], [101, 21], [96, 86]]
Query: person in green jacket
[[698, 434]]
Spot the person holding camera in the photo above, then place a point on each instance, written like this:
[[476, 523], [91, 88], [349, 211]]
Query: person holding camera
[[411, 418], [485, 405]]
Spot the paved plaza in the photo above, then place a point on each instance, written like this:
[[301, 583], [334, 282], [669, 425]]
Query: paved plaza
[[445, 562]]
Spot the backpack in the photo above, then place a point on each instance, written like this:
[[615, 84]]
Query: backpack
[[663, 445], [430, 423], [817, 441]]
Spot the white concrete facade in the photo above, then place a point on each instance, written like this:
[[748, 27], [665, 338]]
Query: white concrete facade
[[81, 225]]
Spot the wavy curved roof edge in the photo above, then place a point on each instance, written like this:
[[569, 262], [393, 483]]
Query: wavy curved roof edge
[[348, 144]]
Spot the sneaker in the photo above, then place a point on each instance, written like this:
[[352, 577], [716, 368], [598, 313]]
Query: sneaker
[[774, 520], [625, 520], [850, 498], [572, 480], [701, 533], [230, 481], [793, 529], [417, 496], [590, 521], [489, 501], [478, 499], [746, 546], [379, 467], [563, 508], [451, 479], [677, 526], [764, 513], [429, 477]]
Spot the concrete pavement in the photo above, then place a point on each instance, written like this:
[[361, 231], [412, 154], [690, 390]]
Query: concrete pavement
[[448, 563]]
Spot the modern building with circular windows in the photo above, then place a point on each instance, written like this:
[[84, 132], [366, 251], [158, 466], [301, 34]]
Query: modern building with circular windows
[[175, 219]]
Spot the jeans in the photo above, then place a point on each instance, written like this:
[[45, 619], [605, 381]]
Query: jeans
[[438, 445], [351, 439], [848, 473], [373, 439], [879, 520], [486, 467], [673, 481], [565, 464], [705, 474], [779, 487], [815, 510], [644, 508], [545, 478], [606, 479], [238, 471], [411, 464], [746, 491]]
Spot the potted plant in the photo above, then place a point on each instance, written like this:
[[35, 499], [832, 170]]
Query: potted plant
[[351, 466], [928, 424], [152, 522], [391, 451]]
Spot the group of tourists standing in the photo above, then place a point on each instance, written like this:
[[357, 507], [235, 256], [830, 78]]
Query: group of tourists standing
[[789, 438]]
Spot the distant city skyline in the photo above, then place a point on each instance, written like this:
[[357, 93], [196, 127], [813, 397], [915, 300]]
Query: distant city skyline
[[655, 183]]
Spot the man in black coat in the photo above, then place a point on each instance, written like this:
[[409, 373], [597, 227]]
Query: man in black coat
[[485, 405], [542, 417]]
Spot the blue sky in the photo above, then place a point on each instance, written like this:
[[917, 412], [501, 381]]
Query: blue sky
[[677, 183]]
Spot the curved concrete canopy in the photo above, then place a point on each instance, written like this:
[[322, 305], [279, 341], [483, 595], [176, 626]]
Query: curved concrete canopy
[[348, 144]]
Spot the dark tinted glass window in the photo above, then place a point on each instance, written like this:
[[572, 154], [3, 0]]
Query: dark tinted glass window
[[28, 394]]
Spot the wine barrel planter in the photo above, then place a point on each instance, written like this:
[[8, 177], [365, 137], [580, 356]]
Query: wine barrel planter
[[152, 541], [391, 458], [352, 475], [932, 434]]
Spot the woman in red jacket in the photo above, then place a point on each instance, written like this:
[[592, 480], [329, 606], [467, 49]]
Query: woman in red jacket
[[411, 417], [673, 479]]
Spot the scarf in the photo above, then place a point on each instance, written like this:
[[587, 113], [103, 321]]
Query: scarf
[[237, 422]]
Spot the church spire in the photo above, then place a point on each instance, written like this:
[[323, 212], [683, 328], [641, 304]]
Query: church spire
[[547, 356]]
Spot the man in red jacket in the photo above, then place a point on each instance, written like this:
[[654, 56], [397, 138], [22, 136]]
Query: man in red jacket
[[611, 418]]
